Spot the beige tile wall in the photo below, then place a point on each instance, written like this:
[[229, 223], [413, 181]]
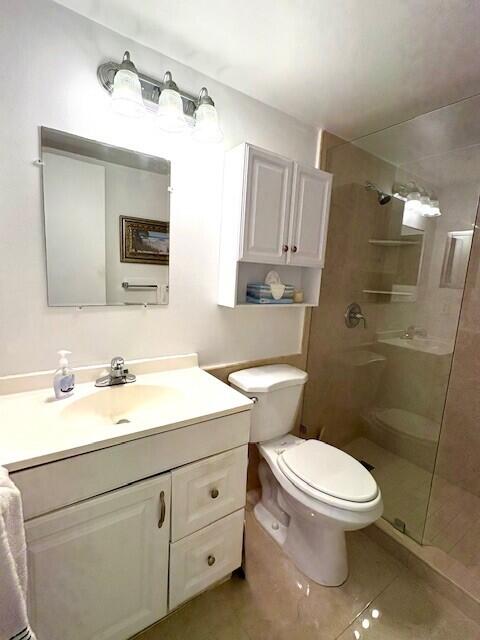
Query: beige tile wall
[[337, 392], [458, 458]]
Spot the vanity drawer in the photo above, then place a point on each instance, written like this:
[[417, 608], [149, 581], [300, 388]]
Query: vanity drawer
[[204, 557], [206, 491]]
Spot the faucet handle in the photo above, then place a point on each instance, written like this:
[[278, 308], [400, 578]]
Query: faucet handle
[[118, 363]]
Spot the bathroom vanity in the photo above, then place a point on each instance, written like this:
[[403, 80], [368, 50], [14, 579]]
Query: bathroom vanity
[[133, 495]]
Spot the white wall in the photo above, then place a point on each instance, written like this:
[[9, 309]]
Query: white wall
[[138, 194], [48, 77], [74, 197]]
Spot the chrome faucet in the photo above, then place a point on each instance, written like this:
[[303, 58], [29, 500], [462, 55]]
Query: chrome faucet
[[118, 374], [411, 331]]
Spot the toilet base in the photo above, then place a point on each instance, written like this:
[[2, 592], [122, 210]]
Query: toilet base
[[316, 547], [272, 526]]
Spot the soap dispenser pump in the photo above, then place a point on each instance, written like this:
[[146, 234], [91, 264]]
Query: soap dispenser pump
[[64, 378]]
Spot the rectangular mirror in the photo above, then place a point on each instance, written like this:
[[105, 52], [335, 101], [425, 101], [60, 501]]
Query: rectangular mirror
[[107, 223]]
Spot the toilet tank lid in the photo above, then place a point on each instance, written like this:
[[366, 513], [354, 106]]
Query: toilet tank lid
[[267, 378]]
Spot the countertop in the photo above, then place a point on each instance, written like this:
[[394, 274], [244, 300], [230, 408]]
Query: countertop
[[37, 429]]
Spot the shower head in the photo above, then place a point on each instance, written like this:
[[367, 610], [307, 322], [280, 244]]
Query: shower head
[[382, 197]]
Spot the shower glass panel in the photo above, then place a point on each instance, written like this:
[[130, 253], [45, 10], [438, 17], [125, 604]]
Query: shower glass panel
[[379, 391]]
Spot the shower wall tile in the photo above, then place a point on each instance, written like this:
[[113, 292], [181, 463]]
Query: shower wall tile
[[338, 392], [458, 458]]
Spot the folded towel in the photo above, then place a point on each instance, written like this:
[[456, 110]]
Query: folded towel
[[252, 300], [259, 290], [266, 287], [13, 564]]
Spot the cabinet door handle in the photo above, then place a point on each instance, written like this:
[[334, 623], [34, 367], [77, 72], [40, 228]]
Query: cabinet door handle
[[214, 493], [211, 561], [162, 509], [285, 248], [294, 249]]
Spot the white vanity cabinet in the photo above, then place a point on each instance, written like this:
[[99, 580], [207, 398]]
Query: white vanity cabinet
[[99, 569], [119, 536], [275, 216]]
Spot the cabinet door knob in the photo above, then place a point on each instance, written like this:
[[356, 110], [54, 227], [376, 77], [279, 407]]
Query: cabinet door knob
[[294, 249], [162, 509], [214, 493], [285, 248], [211, 561]]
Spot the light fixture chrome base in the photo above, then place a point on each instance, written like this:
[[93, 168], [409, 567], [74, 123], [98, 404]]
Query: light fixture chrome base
[[151, 88]]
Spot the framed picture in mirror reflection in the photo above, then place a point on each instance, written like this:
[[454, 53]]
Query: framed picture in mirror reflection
[[144, 241]]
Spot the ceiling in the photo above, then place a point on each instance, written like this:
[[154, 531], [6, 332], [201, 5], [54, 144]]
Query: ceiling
[[350, 66]]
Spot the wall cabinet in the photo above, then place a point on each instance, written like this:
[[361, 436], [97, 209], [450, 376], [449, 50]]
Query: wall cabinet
[[111, 564], [275, 214], [268, 189]]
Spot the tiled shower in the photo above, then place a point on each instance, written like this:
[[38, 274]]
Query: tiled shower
[[401, 393]]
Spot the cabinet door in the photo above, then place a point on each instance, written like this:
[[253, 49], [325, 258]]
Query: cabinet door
[[99, 570], [267, 207], [309, 218]]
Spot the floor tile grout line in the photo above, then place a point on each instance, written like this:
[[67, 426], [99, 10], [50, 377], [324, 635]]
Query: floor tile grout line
[[381, 592]]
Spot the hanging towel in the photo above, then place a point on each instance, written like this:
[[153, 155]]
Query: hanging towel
[[13, 564]]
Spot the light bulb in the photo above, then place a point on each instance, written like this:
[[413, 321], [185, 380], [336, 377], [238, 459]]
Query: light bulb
[[170, 107], [434, 210], [424, 208], [207, 128], [414, 198], [127, 90]]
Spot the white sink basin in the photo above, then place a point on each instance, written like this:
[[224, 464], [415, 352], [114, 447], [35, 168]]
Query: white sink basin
[[35, 428], [122, 403]]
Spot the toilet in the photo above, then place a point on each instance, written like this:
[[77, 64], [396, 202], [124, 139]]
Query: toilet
[[311, 492]]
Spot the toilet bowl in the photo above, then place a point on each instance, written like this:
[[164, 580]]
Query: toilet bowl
[[312, 493]]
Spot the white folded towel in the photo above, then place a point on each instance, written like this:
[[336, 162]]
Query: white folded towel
[[13, 564]]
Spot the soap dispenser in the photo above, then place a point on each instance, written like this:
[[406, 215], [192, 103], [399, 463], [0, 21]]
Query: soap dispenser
[[64, 378]]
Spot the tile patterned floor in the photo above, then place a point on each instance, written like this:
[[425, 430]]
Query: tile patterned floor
[[405, 486], [380, 600], [449, 519]]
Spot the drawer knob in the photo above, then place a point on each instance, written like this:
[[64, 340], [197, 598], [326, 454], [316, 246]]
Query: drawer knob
[[214, 493], [211, 561]]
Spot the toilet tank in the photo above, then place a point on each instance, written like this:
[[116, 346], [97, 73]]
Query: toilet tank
[[277, 391]]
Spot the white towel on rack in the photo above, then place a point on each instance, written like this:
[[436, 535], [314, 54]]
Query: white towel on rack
[[13, 564]]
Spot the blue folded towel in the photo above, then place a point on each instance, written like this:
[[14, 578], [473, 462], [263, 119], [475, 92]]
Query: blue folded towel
[[252, 300], [262, 290]]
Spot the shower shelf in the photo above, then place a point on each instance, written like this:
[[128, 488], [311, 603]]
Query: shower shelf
[[387, 293], [393, 243]]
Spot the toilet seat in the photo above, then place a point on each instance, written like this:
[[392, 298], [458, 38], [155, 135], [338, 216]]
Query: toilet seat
[[328, 475]]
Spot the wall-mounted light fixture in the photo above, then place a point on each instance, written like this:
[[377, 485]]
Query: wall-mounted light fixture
[[135, 94], [417, 199]]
